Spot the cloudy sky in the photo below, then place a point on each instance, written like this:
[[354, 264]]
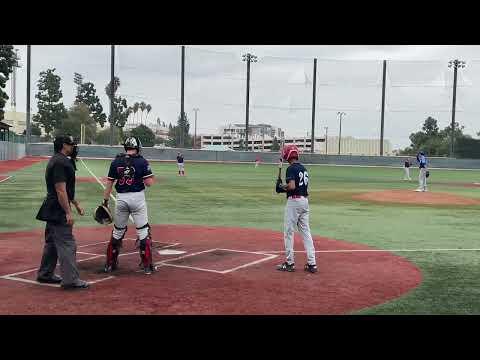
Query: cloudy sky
[[349, 78]]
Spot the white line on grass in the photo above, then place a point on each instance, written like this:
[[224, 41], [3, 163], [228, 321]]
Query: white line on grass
[[5, 179], [369, 250]]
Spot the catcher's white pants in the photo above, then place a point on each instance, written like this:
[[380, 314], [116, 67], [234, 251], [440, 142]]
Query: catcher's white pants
[[407, 174], [181, 166], [297, 215], [422, 179], [131, 203]]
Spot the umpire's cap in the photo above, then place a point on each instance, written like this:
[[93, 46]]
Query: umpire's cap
[[62, 139]]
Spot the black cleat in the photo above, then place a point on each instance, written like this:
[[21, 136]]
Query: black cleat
[[79, 284], [286, 267], [311, 268], [54, 279]]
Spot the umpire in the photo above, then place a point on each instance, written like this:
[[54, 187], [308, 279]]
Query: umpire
[[56, 211]]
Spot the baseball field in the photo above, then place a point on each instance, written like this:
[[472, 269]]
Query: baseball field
[[381, 247]]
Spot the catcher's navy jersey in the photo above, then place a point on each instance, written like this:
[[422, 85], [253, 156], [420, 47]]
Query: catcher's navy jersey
[[297, 172], [129, 171], [180, 159]]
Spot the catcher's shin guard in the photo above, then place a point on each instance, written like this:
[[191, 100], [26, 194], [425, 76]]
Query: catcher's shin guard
[[145, 246], [113, 250]]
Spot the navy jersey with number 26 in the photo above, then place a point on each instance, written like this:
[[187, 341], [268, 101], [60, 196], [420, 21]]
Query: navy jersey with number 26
[[129, 171], [297, 172]]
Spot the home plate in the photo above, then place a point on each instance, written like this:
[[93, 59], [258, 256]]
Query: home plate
[[171, 252], [477, 183]]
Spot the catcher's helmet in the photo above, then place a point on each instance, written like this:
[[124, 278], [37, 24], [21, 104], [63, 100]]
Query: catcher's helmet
[[132, 142], [290, 151]]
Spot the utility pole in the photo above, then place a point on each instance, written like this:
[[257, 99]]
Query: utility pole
[[195, 134], [340, 113], [29, 129], [112, 92], [312, 144], [455, 64], [383, 106], [248, 58], [326, 140], [182, 98]]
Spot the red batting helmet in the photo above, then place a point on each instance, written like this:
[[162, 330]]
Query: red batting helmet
[[290, 151]]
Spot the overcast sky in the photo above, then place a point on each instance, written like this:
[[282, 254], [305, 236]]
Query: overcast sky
[[349, 78]]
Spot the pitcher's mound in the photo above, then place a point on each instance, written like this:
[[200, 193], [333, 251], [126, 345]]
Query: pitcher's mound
[[413, 197]]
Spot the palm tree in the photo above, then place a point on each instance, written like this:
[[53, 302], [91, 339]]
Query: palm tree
[[143, 106], [135, 109], [148, 108]]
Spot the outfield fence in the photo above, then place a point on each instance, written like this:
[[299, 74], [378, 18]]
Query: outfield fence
[[11, 150], [159, 154]]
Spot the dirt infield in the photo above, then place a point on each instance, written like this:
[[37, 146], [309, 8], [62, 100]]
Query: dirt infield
[[204, 270], [7, 166], [413, 197], [4, 178]]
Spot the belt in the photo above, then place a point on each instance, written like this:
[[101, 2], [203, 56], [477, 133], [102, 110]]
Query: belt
[[296, 196]]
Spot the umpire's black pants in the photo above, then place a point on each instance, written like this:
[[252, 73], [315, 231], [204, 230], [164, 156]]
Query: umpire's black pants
[[59, 245]]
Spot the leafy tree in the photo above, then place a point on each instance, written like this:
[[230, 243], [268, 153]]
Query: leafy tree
[[178, 135], [51, 110], [120, 111], [275, 144], [430, 127], [135, 108], [87, 95], [145, 134], [8, 60], [35, 130], [148, 108], [78, 114], [103, 136]]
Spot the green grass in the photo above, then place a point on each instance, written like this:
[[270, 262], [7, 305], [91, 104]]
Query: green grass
[[240, 195]]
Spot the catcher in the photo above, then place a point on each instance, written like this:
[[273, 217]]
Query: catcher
[[296, 210], [131, 173]]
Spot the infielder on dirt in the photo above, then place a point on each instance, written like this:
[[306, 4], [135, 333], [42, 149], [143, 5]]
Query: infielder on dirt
[[296, 210], [422, 176], [130, 172]]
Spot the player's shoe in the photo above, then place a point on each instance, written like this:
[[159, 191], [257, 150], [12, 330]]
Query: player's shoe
[[418, 190], [286, 267], [311, 268], [148, 270]]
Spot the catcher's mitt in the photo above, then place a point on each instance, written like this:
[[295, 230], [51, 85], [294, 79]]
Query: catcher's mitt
[[427, 174], [103, 215]]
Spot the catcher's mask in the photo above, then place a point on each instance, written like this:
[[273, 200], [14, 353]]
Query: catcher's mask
[[103, 215], [132, 143]]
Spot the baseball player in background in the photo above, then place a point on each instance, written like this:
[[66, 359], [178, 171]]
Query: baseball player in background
[[131, 173], [406, 168], [422, 176], [257, 161], [296, 210], [180, 164]]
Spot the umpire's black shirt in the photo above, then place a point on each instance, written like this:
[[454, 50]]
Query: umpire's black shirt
[[59, 169]]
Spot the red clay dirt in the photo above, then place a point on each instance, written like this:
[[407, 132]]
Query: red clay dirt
[[7, 166], [413, 197], [218, 280]]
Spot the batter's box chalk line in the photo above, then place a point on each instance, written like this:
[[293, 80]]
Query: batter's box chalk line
[[266, 257], [14, 276]]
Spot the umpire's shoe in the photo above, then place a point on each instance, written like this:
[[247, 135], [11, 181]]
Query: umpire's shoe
[[311, 268], [286, 267], [148, 270], [54, 279], [79, 284]]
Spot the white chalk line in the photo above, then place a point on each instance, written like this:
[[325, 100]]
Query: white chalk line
[[267, 257], [5, 179], [102, 185], [369, 250]]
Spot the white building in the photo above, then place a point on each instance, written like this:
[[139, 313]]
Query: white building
[[17, 121]]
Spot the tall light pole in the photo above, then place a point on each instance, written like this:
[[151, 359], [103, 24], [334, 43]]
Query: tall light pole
[[340, 114], [326, 140], [195, 133], [248, 58], [455, 64]]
